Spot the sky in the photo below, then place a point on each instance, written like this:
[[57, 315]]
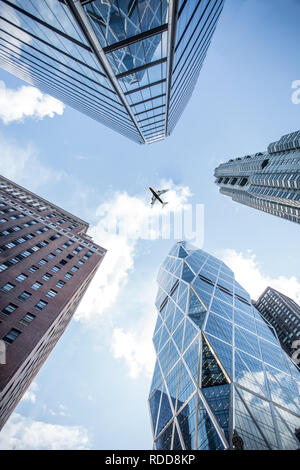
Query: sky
[[92, 391]]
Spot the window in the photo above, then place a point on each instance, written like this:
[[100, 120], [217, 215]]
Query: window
[[51, 255], [57, 235], [21, 277], [40, 305], [60, 284], [10, 245], [43, 261], [63, 262], [69, 256], [36, 285], [32, 269], [51, 293], [24, 296], [55, 269], [46, 276], [11, 336], [68, 275], [80, 262], [25, 254], [74, 269], [3, 267], [58, 250], [8, 287], [9, 309], [28, 318]]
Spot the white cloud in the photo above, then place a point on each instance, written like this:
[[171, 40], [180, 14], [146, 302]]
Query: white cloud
[[30, 394], [61, 411], [24, 433], [132, 214], [20, 164], [136, 348], [27, 101], [250, 275]]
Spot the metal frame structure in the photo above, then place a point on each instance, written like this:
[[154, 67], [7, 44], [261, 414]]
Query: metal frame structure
[[111, 63], [220, 368]]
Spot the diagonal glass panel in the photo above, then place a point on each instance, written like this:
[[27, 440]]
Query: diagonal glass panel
[[176, 444], [249, 373], [187, 274], [192, 357], [189, 334], [218, 399], [261, 413], [187, 423], [218, 327], [186, 387], [164, 441], [178, 336], [247, 428], [223, 352], [165, 413], [207, 436], [211, 372]]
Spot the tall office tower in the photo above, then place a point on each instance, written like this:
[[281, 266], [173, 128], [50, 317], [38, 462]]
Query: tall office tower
[[269, 181], [47, 261], [283, 314], [130, 64], [221, 375]]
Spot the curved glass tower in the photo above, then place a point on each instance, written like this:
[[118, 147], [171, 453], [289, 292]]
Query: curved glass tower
[[221, 375], [130, 64]]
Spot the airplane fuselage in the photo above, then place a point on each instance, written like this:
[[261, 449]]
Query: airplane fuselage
[[155, 195]]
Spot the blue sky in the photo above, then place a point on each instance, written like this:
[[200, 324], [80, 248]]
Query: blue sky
[[92, 391]]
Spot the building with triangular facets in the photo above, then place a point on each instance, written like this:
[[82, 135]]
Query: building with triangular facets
[[221, 379]]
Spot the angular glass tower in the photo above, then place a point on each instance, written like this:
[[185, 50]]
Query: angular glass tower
[[268, 181], [130, 64], [219, 366]]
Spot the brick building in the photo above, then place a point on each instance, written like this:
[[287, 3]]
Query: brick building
[[47, 261]]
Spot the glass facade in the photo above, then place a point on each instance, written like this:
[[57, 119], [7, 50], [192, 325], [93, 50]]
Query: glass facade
[[269, 181], [220, 369], [130, 64]]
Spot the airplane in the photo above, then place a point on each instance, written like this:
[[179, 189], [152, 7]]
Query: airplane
[[155, 196]]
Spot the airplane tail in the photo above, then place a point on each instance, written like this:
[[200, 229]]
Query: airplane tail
[[164, 204]]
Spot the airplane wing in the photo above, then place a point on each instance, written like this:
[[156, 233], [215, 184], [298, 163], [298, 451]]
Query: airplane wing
[[162, 191], [153, 200]]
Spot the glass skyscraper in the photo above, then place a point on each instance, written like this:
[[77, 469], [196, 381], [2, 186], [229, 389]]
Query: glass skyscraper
[[284, 314], [130, 64], [269, 181], [221, 376]]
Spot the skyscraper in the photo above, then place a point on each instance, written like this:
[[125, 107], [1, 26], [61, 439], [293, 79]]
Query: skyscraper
[[220, 370], [47, 261], [269, 181], [283, 314], [130, 64]]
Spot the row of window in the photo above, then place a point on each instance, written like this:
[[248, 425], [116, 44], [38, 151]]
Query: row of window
[[10, 308], [42, 219], [38, 246]]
